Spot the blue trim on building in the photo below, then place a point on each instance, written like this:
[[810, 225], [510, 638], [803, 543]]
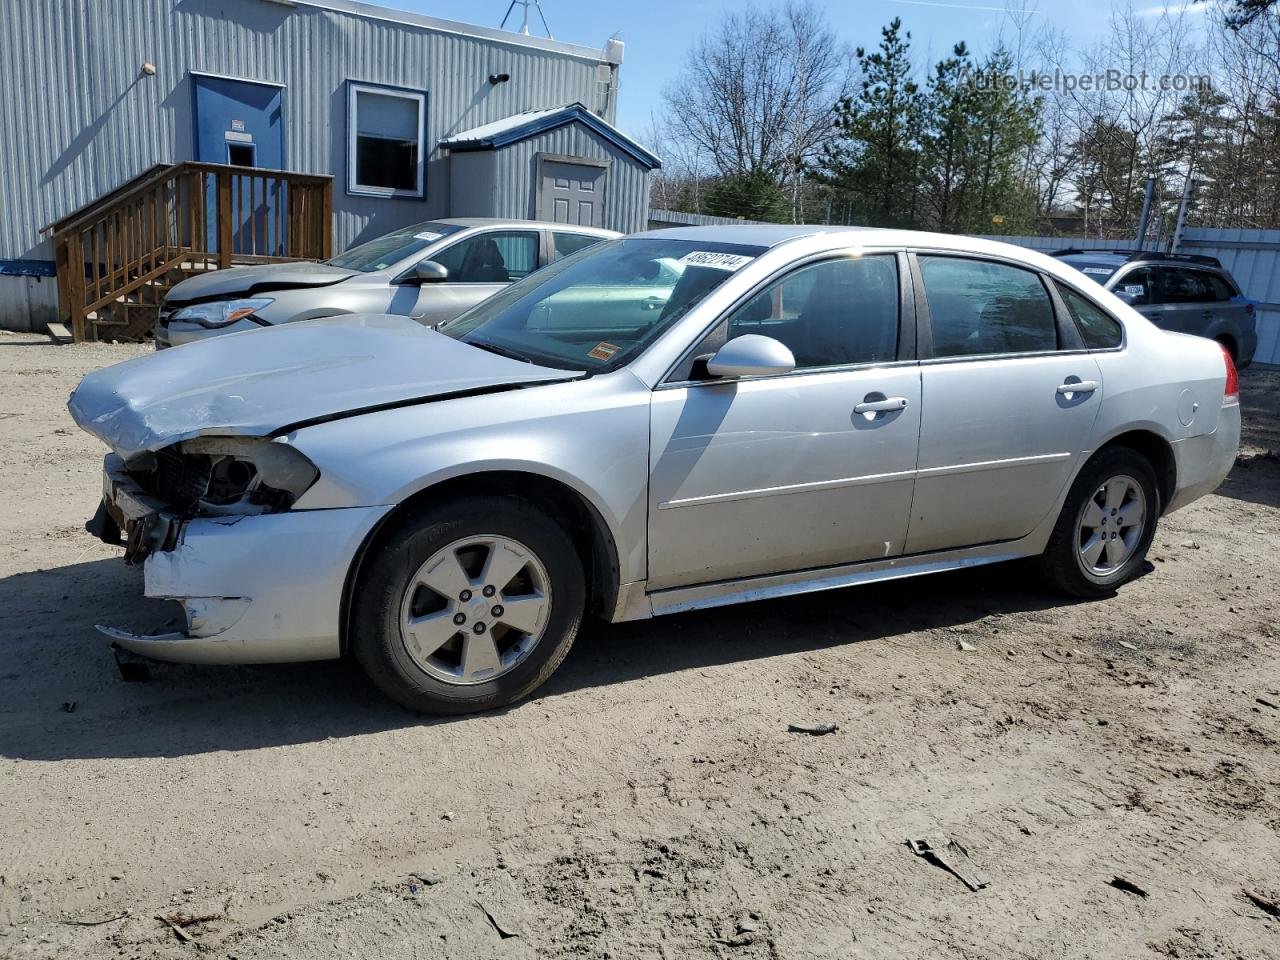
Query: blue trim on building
[[575, 112], [28, 268]]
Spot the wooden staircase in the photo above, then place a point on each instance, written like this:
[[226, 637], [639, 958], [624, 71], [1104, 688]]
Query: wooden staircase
[[117, 257]]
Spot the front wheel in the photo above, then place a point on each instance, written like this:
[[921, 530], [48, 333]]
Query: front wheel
[[1106, 525], [468, 606]]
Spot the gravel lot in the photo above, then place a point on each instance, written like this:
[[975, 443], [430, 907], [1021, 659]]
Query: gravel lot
[[650, 802]]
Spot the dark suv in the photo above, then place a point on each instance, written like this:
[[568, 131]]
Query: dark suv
[[1177, 291]]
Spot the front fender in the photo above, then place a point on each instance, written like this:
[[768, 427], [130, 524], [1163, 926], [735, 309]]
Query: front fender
[[590, 435]]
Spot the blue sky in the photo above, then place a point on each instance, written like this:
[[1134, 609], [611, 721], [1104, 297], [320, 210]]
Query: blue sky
[[658, 33]]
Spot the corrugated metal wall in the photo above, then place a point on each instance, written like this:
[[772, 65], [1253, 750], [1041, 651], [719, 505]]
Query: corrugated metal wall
[[79, 117], [1251, 256], [626, 189]]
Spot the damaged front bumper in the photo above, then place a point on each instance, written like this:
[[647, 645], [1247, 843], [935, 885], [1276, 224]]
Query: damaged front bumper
[[263, 588]]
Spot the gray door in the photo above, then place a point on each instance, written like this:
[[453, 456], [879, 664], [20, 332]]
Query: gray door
[[1002, 429], [772, 474], [572, 193]]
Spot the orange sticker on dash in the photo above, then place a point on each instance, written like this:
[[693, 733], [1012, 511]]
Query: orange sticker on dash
[[603, 351]]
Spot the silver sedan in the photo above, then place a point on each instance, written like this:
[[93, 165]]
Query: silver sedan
[[431, 271], [671, 421]]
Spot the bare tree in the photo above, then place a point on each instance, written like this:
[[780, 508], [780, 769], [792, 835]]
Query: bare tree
[[755, 95]]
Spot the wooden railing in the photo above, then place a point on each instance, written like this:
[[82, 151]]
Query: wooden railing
[[116, 257]]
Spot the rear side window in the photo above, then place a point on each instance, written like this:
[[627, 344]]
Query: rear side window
[[1097, 329], [1182, 285], [1219, 288], [977, 307], [564, 244]]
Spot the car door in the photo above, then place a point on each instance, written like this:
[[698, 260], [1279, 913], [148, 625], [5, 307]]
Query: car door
[[769, 474], [479, 265], [1009, 398], [1185, 297]]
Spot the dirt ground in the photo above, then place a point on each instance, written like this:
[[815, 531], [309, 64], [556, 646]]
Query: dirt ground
[[650, 803]]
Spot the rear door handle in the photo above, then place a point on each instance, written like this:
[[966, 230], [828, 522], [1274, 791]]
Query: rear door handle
[[881, 406], [1079, 386]]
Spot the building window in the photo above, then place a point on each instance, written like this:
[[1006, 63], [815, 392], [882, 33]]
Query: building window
[[386, 141]]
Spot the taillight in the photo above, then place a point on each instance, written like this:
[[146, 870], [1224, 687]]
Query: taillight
[[1232, 389]]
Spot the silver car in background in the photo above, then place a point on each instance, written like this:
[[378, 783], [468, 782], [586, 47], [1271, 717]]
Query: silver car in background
[[431, 271], [667, 422]]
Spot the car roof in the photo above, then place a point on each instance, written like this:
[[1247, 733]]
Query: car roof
[[470, 222]]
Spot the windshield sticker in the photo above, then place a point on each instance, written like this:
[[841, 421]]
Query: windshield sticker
[[1100, 271], [427, 235], [718, 261], [1134, 289], [603, 351]]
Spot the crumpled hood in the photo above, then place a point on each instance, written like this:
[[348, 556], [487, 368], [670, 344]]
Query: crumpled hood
[[243, 281], [255, 383]]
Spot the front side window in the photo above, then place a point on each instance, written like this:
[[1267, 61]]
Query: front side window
[[1098, 330], [977, 308], [386, 149], [1136, 285], [496, 257], [832, 313], [390, 249], [604, 306]]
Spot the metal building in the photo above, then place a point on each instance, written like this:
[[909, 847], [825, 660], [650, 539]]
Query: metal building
[[413, 117]]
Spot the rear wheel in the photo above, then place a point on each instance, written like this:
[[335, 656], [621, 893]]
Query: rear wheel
[[1106, 526], [468, 606]]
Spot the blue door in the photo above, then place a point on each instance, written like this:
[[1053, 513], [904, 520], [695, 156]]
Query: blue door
[[241, 122]]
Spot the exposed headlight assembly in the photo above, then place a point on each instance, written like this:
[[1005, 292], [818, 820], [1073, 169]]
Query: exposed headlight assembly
[[226, 476], [221, 313]]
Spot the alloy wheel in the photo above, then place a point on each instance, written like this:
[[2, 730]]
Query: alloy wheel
[[1111, 524], [475, 609]]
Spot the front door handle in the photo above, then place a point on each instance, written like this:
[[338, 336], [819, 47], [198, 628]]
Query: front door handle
[[881, 406], [1078, 386]]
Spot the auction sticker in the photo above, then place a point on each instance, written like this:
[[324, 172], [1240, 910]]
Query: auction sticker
[[427, 235], [603, 351], [1099, 271], [718, 261]]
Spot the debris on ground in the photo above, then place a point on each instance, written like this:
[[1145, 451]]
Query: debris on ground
[[962, 645], [506, 929], [950, 856], [1126, 644], [1265, 904], [817, 730], [1128, 886], [1267, 703], [96, 923]]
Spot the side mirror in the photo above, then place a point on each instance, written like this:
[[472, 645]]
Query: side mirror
[[751, 355], [428, 271]]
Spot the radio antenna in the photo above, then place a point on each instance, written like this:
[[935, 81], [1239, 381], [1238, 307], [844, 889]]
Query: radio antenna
[[524, 25]]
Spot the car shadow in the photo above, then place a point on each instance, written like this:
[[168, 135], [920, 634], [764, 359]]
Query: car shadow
[[1254, 479], [62, 696]]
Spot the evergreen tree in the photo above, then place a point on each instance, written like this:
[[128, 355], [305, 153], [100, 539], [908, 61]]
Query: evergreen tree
[[876, 158]]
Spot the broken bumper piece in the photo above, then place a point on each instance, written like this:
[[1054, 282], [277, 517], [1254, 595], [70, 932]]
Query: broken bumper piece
[[254, 589]]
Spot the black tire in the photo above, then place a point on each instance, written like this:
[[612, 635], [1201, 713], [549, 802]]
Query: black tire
[[376, 637], [1061, 563]]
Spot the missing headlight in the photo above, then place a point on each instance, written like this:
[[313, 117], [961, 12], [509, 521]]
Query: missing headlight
[[220, 476]]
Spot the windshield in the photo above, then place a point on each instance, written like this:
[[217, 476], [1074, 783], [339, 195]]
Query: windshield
[[383, 252], [1095, 270], [601, 306]]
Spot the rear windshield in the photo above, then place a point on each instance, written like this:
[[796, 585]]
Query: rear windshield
[[602, 306], [391, 249]]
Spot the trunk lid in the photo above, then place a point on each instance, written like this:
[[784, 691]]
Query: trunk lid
[[258, 382]]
